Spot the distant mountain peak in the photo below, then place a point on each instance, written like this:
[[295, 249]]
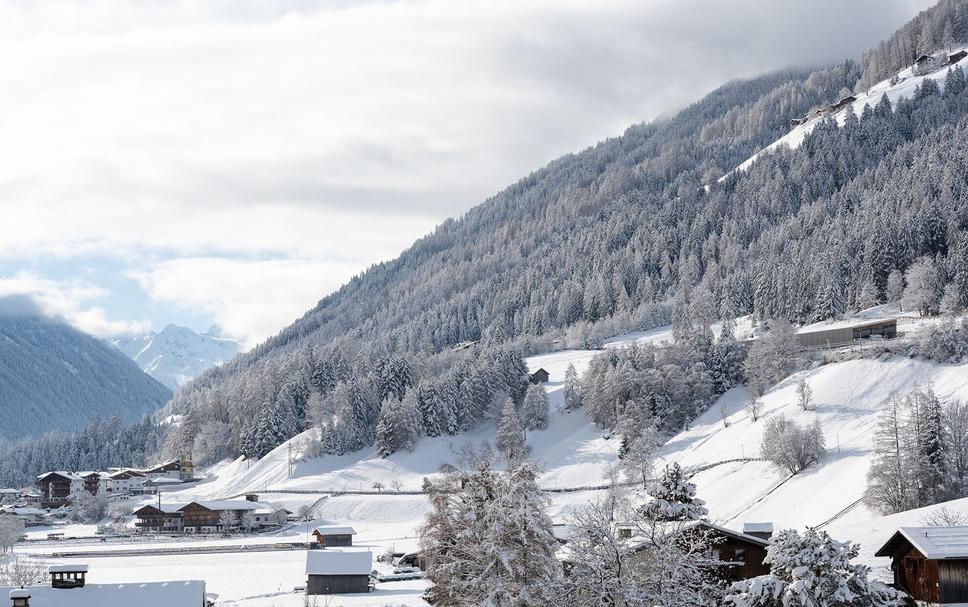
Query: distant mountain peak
[[176, 354]]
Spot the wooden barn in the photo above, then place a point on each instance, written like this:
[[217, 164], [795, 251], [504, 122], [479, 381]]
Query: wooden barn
[[334, 536], [334, 572], [539, 377], [743, 554], [957, 56], [930, 563]]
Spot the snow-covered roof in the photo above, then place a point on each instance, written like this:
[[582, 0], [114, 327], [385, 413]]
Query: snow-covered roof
[[163, 481], [849, 323], [149, 594], [333, 562], [935, 543], [24, 511], [73, 568], [335, 531], [166, 508], [757, 527], [233, 505], [68, 475]]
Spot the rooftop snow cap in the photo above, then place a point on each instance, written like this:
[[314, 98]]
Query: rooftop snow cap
[[760, 530], [331, 562]]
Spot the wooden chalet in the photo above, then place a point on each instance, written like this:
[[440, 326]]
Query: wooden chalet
[[742, 555], [335, 572], [539, 377], [930, 563], [333, 536], [843, 103], [165, 518], [957, 56], [57, 487]]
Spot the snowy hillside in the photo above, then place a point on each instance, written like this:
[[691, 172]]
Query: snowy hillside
[[575, 454], [176, 354], [900, 86]]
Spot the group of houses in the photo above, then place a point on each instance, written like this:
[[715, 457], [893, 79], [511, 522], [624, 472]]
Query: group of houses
[[212, 516], [58, 486], [924, 64]]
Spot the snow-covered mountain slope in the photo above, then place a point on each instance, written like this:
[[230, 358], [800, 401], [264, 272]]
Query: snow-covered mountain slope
[[54, 377], [177, 354], [737, 486], [900, 86]]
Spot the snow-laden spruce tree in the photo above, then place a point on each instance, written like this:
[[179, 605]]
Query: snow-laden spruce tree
[[488, 539], [673, 498], [398, 427], [790, 446], [572, 388], [510, 437], [536, 409], [639, 447], [812, 570]]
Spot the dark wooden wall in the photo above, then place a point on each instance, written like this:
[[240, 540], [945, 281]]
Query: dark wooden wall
[[337, 584], [334, 540], [916, 575], [953, 576]]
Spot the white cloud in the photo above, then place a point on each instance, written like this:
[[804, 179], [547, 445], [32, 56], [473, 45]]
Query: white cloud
[[251, 299], [69, 300], [175, 135]]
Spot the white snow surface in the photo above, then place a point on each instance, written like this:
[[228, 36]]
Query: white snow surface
[[163, 594], [176, 354]]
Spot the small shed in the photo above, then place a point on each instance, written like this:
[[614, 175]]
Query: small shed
[[335, 572], [539, 377], [843, 102], [957, 56], [334, 536], [930, 563]]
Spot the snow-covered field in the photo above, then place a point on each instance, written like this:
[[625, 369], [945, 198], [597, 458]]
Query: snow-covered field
[[848, 398]]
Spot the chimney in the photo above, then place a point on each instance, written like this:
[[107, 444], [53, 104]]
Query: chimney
[[251, 497], [764, 531], [20, 597]]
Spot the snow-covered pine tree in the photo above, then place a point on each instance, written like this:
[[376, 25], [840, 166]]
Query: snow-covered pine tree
[[890, 487], [673, 498], [812, 570], [510, 438], [572, 388], [488, 539], [536, 409]]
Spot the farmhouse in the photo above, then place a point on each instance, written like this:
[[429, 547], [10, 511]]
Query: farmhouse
[[930, 563], [30, 516], [742, 554], [181, 469], [334, 536], [843, 103], [333, 572], [831, 334], [125, 481], [166, 518], [539, 377], [68, 587], [925, 64]]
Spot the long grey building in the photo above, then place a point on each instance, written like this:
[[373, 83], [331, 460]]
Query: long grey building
[[828, 335]]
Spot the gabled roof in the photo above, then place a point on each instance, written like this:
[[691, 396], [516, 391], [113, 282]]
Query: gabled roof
[[233, 505], [333, 562], [67, 475], [166, 508], [334, 531], [935, 543]]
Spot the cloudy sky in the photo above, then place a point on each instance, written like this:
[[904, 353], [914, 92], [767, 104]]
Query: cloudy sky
[[232, 161]]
